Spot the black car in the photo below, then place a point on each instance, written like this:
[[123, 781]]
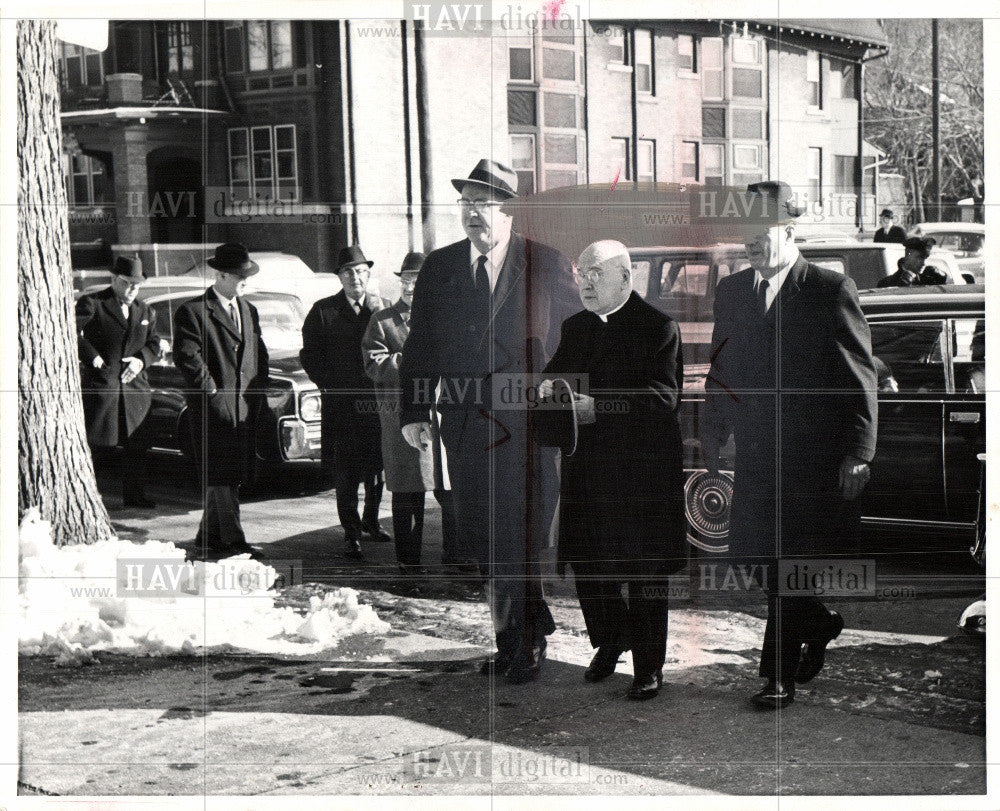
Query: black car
[[929, 345], [290, 427]]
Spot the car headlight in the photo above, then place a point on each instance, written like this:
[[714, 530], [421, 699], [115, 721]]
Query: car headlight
[[310, 405]]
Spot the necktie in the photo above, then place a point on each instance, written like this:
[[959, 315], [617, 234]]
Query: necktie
[[125, 311], [762, 288], [482, 278], [234, 314]]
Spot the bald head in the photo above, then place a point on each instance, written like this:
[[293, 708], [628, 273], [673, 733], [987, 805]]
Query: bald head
[[604, 272]]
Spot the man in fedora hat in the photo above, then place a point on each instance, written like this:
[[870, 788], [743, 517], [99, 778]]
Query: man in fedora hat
[[351, 433], [219, 349], [793, 380], [117, 342], [910, 269], [888, 232], [486, 310], [409, 472]]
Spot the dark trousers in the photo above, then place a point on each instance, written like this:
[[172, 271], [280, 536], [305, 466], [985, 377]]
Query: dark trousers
[[347, 500], [134, 465], [792, 620], [450, 552], [638, 623], [408, 526], [220, 529]]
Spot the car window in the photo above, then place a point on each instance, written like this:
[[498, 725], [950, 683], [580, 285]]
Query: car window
[[961, 244], [834, 264], [164, 319], [684, 288], [281, 320], [912, 355], [640, 276], [968, 337]]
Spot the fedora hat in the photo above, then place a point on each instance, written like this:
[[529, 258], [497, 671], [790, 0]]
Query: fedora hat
[[491, 175], [350, 256], [232, 257], [776, 199], [412, 263], [921, 245], [128, 267], [887, 212]]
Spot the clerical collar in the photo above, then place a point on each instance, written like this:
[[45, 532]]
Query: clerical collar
[[604, 316]]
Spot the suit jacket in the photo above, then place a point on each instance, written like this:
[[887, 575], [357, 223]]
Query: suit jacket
[[406, 468], [622, 493], [895, 234], [226, 370], [103, 331], [797, 389], [331, 356]]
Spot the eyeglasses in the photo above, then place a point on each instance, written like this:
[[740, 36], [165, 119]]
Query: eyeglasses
[[591, 276], [479, 205]]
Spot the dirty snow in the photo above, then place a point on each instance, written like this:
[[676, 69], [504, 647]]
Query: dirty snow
[[78, 599]]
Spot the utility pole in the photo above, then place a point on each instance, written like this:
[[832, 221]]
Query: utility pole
[[936, 122]]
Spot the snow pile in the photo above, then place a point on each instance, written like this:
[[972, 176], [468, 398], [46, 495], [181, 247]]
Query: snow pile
[[145, 599]]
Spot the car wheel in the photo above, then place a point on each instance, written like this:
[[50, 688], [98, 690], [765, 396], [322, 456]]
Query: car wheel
[[707, 501]]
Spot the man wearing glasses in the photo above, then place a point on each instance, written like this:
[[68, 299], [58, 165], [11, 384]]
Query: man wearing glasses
[[486, 316], [117, 342]]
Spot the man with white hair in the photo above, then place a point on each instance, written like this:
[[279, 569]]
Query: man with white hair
[[621, 515]]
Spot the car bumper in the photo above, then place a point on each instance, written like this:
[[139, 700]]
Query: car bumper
[[298, 439]]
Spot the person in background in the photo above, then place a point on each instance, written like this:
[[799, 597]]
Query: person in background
[[888, 232], [219, 349], [911, 270], [409, 472], [117, 342], [351, 432]]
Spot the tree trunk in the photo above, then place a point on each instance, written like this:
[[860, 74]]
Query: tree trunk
[[55, 470]]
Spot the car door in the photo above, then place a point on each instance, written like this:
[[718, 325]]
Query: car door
[[965, 418], [907, 481], [165, 380]]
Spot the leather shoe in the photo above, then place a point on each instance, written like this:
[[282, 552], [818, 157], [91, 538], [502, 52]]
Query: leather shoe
[[352, 548], [774, 696], [526, 664], [498, 663], [376, 533], [603, 664], [140, 501], [814, 650], [645, 687]]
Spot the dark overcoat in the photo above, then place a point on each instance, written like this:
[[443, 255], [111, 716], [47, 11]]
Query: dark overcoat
[[226, 372], [505, 487], [331, 356], [622, 493], [103, 330], [797, 389]]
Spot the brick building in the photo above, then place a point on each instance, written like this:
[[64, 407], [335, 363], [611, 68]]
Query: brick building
[[353, 128]]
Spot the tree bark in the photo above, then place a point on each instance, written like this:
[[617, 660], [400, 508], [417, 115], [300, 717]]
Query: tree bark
[[55, 469]]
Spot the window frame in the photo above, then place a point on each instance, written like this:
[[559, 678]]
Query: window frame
[[647, 36], [534, 159], [815, 153], [815, 86], [651, 144], [626, 142], [707, 71], [254, 185], [683, 68], [683, 162], [947, 380]]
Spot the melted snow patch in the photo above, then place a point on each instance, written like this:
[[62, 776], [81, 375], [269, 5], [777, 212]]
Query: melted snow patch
[[145, 599]]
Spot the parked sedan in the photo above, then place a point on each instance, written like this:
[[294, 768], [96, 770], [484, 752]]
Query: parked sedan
[[965, 240], [290, 428], [929, 343]]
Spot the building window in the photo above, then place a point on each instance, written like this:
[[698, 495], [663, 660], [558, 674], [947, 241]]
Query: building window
[[263, 162], [814, 174], [712, 69], [845, 167], [555, 31], [521, 63], [522, 156], [617, 45], [686, 59], [273, 45], [180, 49], [842, 80], [81, 66], [713, 122], [644, 61], [86, 182], [646, 171], [560, 110], [748, 123], [622, 156], [689, 161], [522, 108], [559, 63], [713, 160], [814, 80], [235, 46], [747, 166]]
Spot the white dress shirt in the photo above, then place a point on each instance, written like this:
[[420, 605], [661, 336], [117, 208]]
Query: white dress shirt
[[494, 260], [230, 305], [775, 282], [357, 305]]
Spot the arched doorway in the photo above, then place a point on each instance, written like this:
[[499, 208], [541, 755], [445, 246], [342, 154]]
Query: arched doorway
[[176, 196]]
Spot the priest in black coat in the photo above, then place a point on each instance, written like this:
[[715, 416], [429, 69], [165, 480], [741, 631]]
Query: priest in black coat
[[351, 434], [117, 342], [621, 513]]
